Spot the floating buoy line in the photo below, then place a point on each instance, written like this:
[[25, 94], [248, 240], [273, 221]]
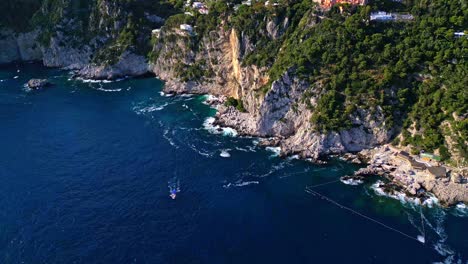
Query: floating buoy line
[[419, 238]]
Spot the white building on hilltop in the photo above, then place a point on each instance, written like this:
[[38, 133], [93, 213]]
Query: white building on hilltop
[[381, 16], [384, 16]]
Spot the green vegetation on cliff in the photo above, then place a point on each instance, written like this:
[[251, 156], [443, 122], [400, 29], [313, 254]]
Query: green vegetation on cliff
[[414, 73], [15, 14]]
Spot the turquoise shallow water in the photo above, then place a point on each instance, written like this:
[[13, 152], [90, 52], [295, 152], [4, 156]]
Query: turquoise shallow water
[[84, 170]]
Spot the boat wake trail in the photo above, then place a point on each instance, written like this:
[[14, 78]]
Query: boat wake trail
[[239, 184]]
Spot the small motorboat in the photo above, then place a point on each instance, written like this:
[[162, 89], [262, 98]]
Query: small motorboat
[[174, 189]]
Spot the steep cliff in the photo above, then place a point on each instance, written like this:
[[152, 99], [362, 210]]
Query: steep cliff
[[100, 39], [214, 63], [321, 81]]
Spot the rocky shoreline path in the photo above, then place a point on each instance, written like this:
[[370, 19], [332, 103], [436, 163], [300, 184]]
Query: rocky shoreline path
[[408, 174]]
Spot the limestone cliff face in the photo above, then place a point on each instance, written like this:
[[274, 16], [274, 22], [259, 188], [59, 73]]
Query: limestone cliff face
[[19, 46], [129, 64], [281, 112], [218, 53], [90, 43], [212, 62]]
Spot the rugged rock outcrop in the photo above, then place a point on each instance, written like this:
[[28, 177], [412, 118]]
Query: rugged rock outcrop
[[218, 58], [19, 46], [281, 112], [97, 39], [38, 83], [129, 64]]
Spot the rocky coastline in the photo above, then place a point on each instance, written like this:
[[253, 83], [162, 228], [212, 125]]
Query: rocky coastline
[[401, 180], [279, 111], [404, 178]]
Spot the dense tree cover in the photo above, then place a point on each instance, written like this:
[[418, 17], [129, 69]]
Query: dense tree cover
[[415, 73], [15, 14], [252, 21], [408, 69], [80, 21], [412, 72]]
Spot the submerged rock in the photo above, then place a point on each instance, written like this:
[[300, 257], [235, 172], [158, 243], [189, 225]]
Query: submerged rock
[[38, 83]]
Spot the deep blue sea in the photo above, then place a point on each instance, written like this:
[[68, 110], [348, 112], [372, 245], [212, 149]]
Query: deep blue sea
[[84, 172]]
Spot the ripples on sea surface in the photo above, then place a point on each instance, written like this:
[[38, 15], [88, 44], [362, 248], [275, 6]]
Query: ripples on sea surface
[[84, 168]]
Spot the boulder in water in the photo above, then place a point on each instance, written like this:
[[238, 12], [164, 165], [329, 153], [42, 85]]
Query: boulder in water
[[38, 83]]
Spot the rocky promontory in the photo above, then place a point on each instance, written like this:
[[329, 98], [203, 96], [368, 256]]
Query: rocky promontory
[[38, 83], [415, 177]]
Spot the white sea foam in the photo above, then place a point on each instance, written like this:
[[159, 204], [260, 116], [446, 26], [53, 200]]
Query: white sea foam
[[207, 98], [240, 184], [169, 139], [377, 187], [443, 249], [353, 182], [148, 109], [461, 210], [208, 123], [274, 168], [109, 90], [165, 94], [431, 201], [276, 151], [225, 131], [99, 81], [224, 153], [294, 157], [247, 149]]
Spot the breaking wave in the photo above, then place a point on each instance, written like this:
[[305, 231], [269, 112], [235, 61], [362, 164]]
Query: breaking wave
[[165, 94], [108, 90], [352, 182], [276, 151], [377, 187], [460, 210], [148, 109], [194, 148], [208, 124], [99, 81], [225, 153]]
